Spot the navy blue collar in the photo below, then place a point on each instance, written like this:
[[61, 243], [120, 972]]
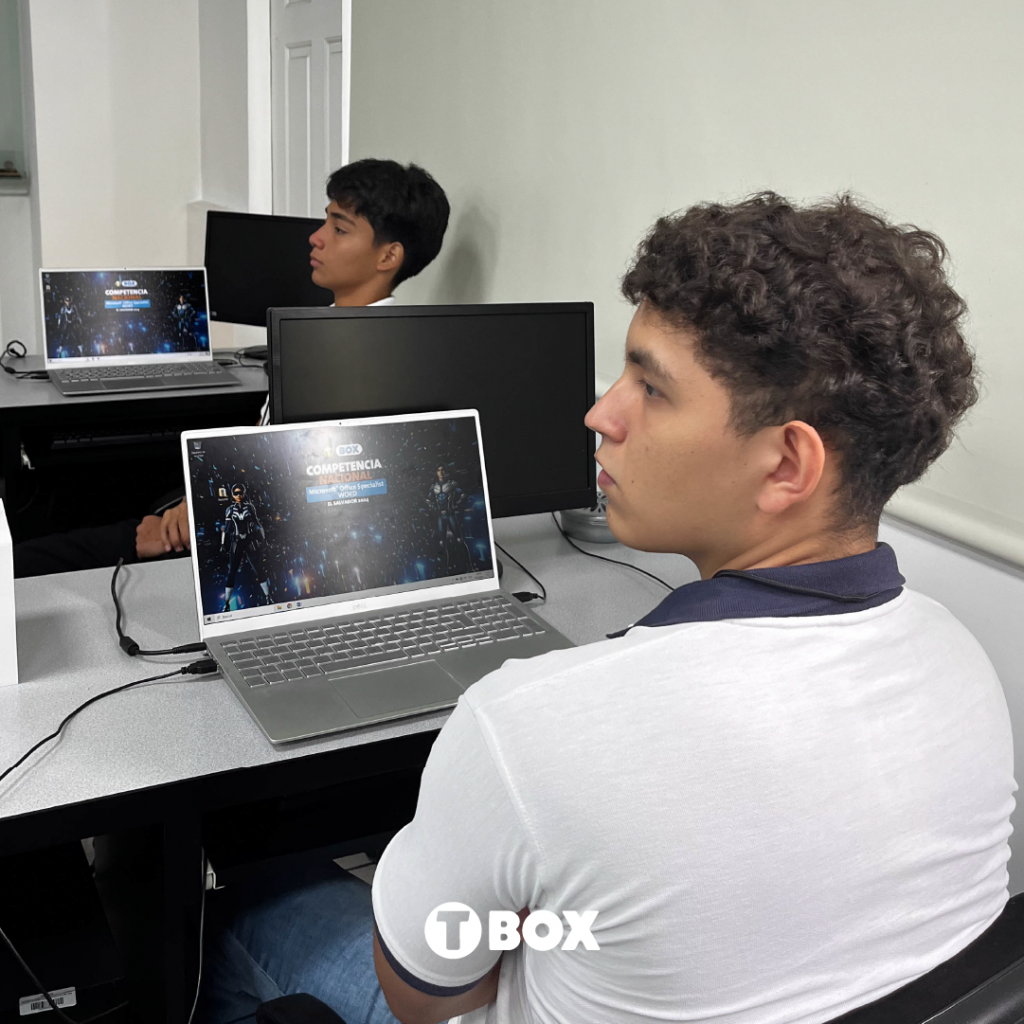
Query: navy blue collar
[[820, 588]]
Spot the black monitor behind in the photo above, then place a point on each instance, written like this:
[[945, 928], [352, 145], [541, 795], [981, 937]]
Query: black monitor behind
[[254, 261], [527, 367]]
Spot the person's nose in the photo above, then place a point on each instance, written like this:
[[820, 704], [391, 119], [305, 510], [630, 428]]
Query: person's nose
[[607, 416]]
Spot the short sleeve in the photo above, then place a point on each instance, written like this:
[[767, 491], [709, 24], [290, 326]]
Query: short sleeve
[[466, 844]]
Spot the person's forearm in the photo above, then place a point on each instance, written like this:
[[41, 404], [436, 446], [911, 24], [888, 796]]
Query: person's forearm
[[413, 1007]]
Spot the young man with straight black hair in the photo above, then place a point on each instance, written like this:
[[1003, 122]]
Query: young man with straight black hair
[[783, 793], [383, 224]]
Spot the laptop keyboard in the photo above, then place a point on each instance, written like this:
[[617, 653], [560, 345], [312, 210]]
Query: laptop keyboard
[[203, 369], [402, 635]]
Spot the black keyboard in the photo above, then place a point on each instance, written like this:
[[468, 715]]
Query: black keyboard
[[404, 635], [203, 369]]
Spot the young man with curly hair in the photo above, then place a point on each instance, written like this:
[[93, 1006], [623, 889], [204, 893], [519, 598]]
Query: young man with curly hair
[[785, 792]]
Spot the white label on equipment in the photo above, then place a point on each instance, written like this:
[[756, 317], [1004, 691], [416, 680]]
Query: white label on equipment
[[37, 1004]]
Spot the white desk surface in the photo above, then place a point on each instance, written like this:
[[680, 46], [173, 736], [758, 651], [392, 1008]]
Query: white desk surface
[[190, 726]]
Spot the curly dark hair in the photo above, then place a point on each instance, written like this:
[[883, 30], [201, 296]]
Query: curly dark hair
[[827, 314]]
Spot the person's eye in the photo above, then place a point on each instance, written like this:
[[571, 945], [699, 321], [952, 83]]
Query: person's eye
[[649, 389]]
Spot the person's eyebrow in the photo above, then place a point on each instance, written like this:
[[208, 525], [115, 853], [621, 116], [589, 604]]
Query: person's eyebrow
[[648, 363], [341, 216]]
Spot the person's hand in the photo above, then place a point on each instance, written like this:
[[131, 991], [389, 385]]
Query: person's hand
[[174, 531], [148, 542]]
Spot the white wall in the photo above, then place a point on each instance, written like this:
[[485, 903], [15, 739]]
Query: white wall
[[223, 101], [117, 129], [563, 128], [18, 245], [988, 598], [18, 284]]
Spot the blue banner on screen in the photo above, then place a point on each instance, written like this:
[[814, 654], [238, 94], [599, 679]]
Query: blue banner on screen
[[360, 489]]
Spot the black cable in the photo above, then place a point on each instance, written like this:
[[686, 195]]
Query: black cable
[[614, 561], [45, 992], [15, 349], [197, 668], [126, 643], [523, 595]]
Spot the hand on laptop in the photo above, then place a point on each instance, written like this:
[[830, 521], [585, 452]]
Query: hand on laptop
[[159, 535]]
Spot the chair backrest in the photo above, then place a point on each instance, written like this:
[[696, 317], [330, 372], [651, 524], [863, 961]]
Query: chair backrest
[[999, 1001], [982, 984]]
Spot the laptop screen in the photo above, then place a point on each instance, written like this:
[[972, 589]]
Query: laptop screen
[[295, 517], [124, 316]]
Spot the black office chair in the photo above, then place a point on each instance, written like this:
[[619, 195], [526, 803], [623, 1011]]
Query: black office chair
[[982, 984]]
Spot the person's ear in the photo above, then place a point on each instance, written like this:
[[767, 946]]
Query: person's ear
[[797, 461], [390, 256]]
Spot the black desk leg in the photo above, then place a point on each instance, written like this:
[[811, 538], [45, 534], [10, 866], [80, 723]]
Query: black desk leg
[[184, 879]]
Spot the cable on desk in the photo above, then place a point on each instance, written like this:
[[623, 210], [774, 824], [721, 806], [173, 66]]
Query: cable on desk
[[197, 668], [614, 561], [46, 993], [126, 643], [15, 349], [524, 595]]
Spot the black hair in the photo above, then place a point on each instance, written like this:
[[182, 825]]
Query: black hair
[[402, 204], [827, 314]]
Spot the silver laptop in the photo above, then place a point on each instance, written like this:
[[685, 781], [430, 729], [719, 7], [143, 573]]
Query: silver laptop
[[345, 570], [128, 330]]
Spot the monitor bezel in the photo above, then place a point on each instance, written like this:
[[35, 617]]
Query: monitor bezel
[[501, 507]]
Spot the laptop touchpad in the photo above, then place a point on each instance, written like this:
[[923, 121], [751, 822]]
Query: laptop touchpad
[[392, 691]]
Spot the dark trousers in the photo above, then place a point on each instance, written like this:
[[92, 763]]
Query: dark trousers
[[91, 547]]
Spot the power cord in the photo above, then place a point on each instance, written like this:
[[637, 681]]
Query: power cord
[[126, 643], [614, 561], [45, 992], [197, 668], [16, 350], [524, 595]]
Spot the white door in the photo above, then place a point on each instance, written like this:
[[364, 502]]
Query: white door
[[309, 78]]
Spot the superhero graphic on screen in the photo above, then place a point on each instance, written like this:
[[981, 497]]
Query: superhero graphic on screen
[[93, 313], [244, 536], [290, 518], [184, 316], [446, 500], [68, 322]]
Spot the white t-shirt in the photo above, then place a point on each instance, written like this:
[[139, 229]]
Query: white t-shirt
[[777, 819], [265, 411]]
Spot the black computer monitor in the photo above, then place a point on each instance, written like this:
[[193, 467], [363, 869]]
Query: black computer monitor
[[527, 368], [255, 261]]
